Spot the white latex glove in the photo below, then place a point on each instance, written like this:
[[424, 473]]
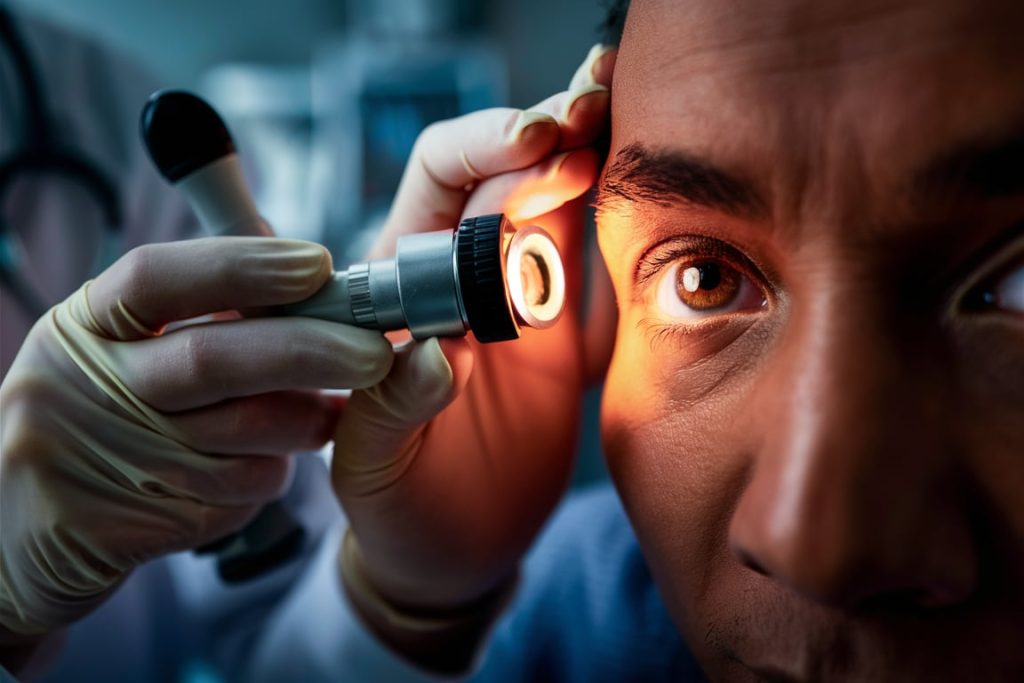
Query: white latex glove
[[120, 444], [449, 467]]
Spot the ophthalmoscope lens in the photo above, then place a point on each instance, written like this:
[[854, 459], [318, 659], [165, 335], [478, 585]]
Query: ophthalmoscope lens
[[536, 281], [486, 277]]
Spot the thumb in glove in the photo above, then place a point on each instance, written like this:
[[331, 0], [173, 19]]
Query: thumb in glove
[[381, 427]]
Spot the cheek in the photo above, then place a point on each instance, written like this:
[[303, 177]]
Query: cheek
[[679, 462], [990, 375]]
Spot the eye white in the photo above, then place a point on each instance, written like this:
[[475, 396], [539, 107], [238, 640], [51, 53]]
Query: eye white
[[1009, 293]]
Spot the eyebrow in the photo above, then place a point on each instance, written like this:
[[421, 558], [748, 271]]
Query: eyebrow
[[975, 170], [662, 177]]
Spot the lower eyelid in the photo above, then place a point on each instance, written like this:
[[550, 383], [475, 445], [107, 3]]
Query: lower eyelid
[[697, 340]]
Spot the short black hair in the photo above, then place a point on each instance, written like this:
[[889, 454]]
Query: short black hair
[[614, 21]]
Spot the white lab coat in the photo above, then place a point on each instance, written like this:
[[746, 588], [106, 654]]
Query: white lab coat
[[172, 620]]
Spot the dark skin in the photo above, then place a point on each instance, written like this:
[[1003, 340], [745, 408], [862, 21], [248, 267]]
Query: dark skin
[[825, 463]]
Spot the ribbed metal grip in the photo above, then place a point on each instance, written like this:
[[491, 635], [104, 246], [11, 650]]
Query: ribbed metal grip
[[482, 278], [359, 291]]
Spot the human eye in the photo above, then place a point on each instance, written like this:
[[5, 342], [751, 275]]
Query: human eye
[[701, 278], [1002, 290]]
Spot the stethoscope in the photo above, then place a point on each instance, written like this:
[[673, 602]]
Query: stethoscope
[[41, 155]]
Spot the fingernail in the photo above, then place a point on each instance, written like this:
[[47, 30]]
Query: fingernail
[[526, 119], [293, 264], [555, 165], [575, 95], [584, 75]]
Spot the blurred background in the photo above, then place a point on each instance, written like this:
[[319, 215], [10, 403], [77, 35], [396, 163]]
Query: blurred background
[[325, 97]]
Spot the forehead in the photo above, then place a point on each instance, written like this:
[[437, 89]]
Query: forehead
[[819, 94]]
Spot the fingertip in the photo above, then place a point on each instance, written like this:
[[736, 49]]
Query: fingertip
[[564, 178], [593, 66], [297, 268], [604, 66], [326, 266], [531, 128], [368, 353], [332, 406], [337, 400], [459, 355], [431, 375], [577, 169], [585, 105]]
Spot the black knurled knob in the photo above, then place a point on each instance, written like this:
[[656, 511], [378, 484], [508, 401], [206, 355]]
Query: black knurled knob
[[482, 278]]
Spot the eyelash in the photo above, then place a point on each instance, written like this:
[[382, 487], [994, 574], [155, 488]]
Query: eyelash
[[970, 297], [664, 254], [655, 261]]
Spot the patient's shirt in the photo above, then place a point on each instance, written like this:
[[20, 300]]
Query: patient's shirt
[[587, 609]]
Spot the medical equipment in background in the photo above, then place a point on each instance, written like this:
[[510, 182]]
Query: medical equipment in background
[[270, 111], [325, 143], [42, 156], [486, 277], [402, 65]]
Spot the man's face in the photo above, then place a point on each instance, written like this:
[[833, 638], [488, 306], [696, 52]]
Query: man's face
[[813, 215]]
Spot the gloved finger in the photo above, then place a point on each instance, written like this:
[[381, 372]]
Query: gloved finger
[[156, 284], [277, 423], [450, 156], [376, 437], [200, 365], [582, 115], [582, 109], [205, 478], [540, 189], [598, 67], [157, 526], [193, 523], [243, 480]]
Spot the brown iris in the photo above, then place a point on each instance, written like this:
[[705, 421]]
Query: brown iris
[[706, 285]]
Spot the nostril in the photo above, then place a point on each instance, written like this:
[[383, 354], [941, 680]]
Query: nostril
[[749, 561]]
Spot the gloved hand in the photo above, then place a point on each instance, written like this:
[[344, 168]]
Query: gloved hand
[[448, 468], [121, 443]]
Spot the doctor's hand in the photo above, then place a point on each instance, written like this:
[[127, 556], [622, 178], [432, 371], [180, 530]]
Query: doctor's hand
[[121, 443], [448, 468]]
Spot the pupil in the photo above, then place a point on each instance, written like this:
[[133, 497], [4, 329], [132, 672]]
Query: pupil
[[710, 275], [708, 285]]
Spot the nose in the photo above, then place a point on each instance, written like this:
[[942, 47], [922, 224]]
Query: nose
[[854, 497]]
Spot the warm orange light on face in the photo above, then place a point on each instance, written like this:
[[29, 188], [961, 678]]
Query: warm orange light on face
[[538, 195], [519, 209]]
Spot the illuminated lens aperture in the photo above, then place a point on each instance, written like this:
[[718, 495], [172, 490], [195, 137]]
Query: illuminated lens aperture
[[536, 281]]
